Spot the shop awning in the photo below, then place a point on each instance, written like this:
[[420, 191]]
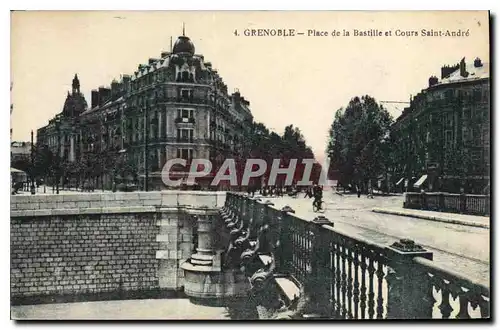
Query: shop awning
[[420, 181], [400, 181]]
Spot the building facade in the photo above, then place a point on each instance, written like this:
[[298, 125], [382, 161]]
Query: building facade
[[443, 137], [174, 106]]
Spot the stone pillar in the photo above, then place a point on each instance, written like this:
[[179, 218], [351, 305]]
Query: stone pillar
[[61, 146], [167, 127], [158, 157], [204, 277], [160, 129], [72, 149], [320, 277], [409, 289], [204, 251]]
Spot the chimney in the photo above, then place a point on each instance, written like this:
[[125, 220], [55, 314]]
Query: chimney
[[478, 63], [94, 98], [463, 71], [115, 89], [126, 82], [236, 98], [447, 70], [126, 77], [433, 80], [104, 94]]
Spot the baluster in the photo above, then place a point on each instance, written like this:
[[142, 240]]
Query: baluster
[[344, 281], [445, 306], [349, 282], [362, 298], [295, 251], [302, 238], [356, 282], [332, 276], [301, 254], [338, 278], [371, 293], [380, 300], [463, 312], [429, 295], [484, 307], [305, 234]]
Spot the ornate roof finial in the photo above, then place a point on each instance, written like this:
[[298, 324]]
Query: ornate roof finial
[[170, 43], [183, 29]]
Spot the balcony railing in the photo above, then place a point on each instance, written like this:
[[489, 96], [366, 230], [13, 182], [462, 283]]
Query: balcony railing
[[445, 202], [185, 140], [184, 120], [344, 277]]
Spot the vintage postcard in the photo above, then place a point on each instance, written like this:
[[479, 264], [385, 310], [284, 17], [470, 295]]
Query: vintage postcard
[[250, 165]]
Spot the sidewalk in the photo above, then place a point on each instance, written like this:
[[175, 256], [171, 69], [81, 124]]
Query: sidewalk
[[455, 218], [147, 309], [50, 191]]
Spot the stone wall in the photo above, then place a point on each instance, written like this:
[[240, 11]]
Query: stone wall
[[97, 244]]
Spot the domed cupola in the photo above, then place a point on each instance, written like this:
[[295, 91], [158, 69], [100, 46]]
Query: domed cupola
[[183, 45]]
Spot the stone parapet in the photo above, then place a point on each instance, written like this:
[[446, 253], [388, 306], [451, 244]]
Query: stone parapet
[[77, 244], [96, 201]]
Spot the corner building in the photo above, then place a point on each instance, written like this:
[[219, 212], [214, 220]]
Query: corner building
[[444, 135], [175, 106]]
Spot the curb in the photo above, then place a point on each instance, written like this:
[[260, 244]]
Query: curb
[[432, 218]]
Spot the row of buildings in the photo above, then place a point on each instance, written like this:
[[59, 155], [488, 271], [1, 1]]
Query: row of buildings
[[174, 106], [443, 137]]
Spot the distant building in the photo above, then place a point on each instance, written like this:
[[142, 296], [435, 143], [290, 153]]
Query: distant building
[[20, 151], [190, 114], [443, 137], [62, 134]]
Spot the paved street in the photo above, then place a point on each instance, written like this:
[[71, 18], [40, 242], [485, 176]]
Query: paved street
[[462, 248]]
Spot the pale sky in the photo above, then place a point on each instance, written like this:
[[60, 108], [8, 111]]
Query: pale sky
[[297, 80]]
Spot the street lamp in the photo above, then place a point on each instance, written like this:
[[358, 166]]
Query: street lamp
[[32, 167]]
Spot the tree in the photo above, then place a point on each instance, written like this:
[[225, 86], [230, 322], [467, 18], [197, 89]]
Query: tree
[[265, 144], [359, 139], [44, 162]]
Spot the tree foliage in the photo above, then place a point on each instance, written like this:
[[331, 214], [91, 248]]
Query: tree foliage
[[359, 141], [262, 143]]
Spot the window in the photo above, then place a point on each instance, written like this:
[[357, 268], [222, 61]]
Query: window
[[185, 134], [186, 94], [184, 113], [185, 153], [477, 96], [486, 136], [475, 155], [477, 137], [448, 139], [449, 119], [448, 94]]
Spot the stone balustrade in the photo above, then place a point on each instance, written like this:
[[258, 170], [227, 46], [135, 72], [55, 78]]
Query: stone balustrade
[[347, 277]]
